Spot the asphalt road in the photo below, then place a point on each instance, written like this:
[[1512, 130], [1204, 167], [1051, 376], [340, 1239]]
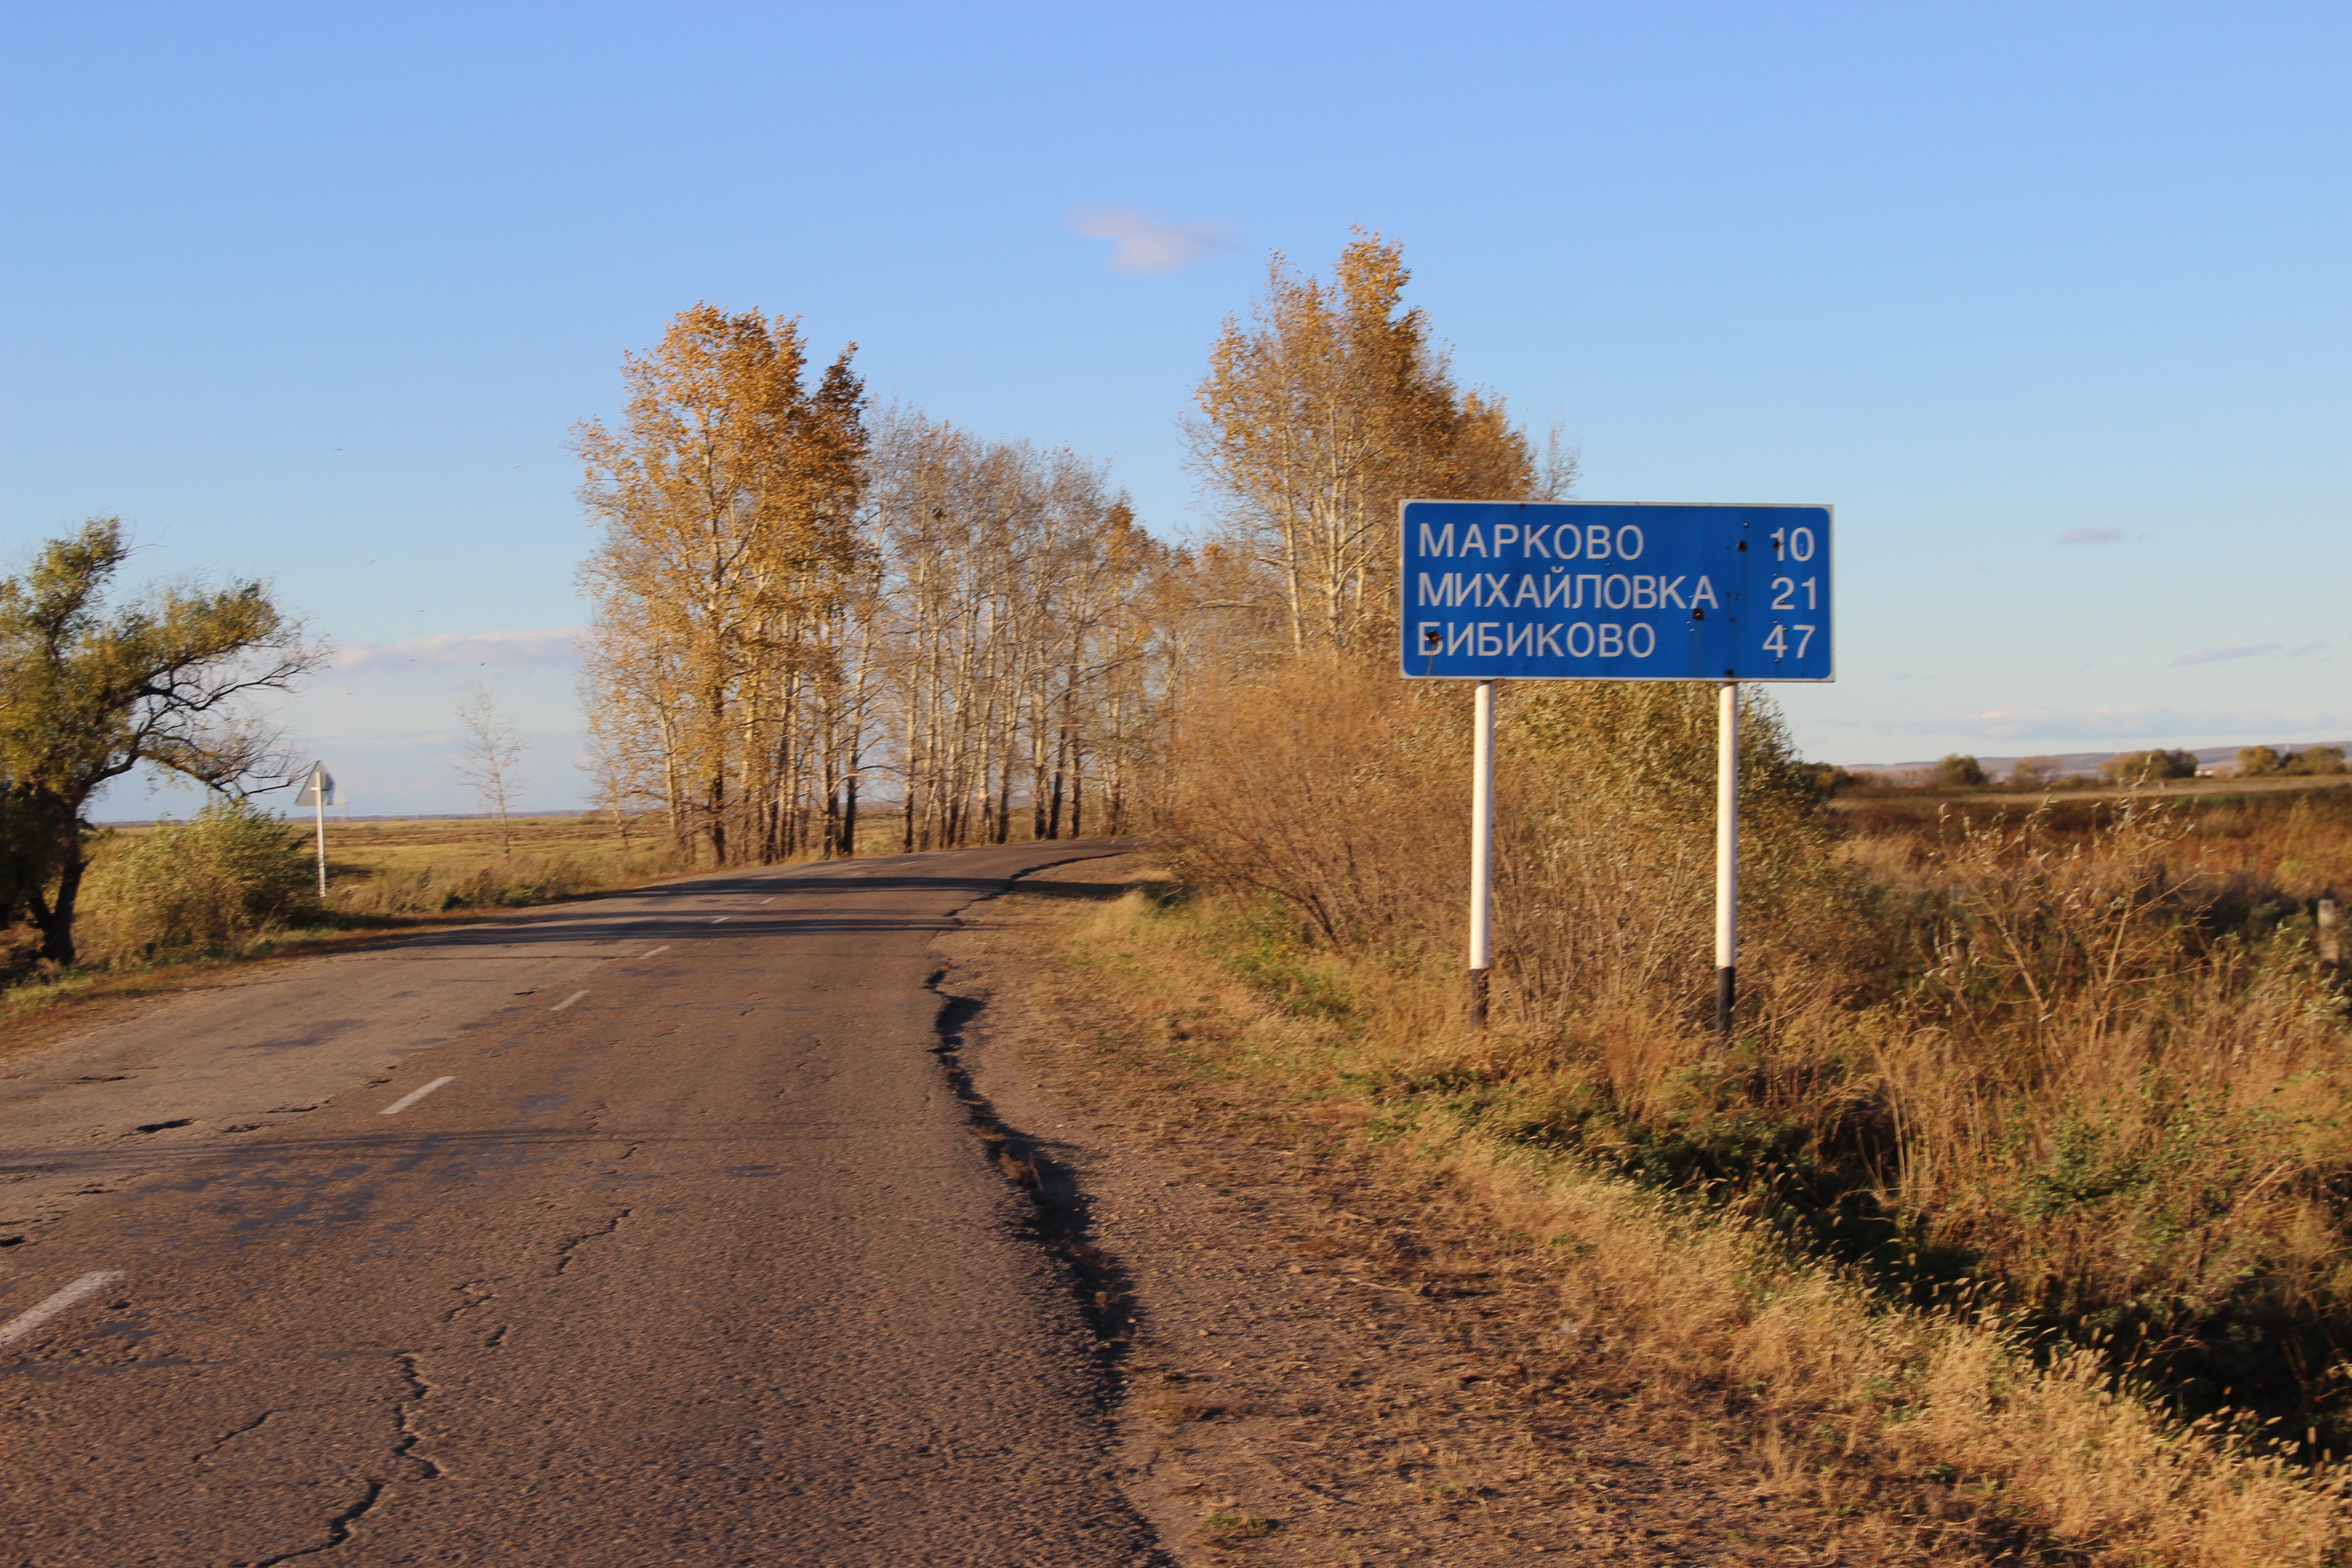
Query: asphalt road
[[688, 1257]]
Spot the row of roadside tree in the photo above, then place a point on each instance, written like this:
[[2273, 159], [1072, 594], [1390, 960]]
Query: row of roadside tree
[[809, 609]]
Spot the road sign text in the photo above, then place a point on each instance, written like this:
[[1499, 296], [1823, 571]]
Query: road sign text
[[1700, 592]]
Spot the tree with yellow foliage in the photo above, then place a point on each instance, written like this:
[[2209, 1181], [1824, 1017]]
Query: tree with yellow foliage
[[727, 499], [1319, 414]]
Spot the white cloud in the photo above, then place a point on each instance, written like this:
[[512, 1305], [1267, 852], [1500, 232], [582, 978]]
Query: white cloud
[[1143, 242], [553, 646], [2091, 536], [2235, 650]]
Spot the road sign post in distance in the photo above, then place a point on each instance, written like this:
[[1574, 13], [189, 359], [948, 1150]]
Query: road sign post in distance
[[1595, 590], [319, 792]]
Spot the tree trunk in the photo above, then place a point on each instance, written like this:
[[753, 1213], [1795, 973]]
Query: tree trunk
[[1053, 811], [54, 918]]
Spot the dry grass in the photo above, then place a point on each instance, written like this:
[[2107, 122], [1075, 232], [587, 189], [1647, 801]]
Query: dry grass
[[1945, 1431], [391, 875], [2069, 792], [413, 868], [2072, 1077], [1176, 1409]]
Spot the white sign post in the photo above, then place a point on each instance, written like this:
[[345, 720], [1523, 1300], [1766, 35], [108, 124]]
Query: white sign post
[[1727, 853], [316, 792], [1586, 591], [1481, 853]]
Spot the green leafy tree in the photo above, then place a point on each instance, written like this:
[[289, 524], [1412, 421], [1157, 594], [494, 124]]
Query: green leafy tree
[[2140, 767], [89, 693], [2256, 762], [2036, 773], [2314, 760], [1957, 771], [1828, 778]]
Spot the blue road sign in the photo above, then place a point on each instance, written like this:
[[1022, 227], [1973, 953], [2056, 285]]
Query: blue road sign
[[1587, 591]]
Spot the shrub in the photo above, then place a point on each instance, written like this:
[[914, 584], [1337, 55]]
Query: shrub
[[231, 873], [1957, 771], [2139, 767], [1830, 779], [2036, 773], [1342, 794]]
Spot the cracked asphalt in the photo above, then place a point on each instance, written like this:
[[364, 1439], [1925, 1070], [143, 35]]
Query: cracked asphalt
[[694, 1259]]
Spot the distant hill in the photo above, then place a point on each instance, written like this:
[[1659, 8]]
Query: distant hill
[[2073, 764]]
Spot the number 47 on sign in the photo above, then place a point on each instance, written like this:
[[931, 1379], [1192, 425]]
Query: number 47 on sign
[[1585, 591]]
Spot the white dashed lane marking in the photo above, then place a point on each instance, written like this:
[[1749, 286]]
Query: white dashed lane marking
[[32, 1317], [414, 1095]]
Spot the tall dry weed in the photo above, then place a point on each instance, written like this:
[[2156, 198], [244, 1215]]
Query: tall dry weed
[[2078, 1067], [2125, 1101], [1329, 792], [228, 874], [508, 884], [1961, 1435]]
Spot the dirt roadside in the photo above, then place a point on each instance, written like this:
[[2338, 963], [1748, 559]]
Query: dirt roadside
[[1321, 1359]]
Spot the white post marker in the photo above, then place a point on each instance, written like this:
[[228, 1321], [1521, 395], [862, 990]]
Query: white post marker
[[1727, 853], [1481, 853], [316, 792]]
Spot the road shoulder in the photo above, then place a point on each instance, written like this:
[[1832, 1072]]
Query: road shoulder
[[1322, 1356]]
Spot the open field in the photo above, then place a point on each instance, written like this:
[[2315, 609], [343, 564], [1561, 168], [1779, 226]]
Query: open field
[[429, 864], [2296, 842], [381, 876], [367, 850], [2154, 789], [436, 864], [402, 865]]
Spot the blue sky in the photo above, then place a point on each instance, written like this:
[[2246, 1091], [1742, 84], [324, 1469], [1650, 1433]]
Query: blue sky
[[316, 291]]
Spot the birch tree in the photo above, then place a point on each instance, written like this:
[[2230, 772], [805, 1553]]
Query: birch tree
[[802, 617], [1329, 404], [490, 757], [727, 500]]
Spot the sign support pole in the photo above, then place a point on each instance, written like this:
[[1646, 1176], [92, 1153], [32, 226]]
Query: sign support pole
[[321, 786], [1490, 590], [1482, 855], [1726, 854]]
